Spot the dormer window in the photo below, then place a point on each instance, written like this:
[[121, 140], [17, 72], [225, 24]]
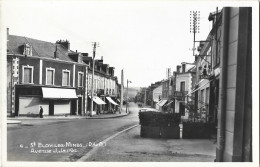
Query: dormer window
[[27, 50]]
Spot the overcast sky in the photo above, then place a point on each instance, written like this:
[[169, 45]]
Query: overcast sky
[[141, 37]]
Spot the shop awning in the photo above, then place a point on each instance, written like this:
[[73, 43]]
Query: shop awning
[[194, 90], [111, 101], [169, 102], [97, 100], [161, 103], [58, 93]]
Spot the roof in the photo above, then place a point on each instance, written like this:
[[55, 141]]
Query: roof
[[39, 48]]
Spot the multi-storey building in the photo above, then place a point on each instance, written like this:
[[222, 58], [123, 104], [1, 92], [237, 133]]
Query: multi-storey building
[[224, 82], [44, 74], [184, 84], [50, 75]]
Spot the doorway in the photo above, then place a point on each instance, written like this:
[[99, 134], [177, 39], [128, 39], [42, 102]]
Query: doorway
[[51, 107], [79, 105]]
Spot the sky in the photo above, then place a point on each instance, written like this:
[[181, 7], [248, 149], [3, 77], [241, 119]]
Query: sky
[[141, 37]]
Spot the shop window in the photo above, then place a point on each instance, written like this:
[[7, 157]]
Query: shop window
[[27, 74], [50, 74], [65, 78]]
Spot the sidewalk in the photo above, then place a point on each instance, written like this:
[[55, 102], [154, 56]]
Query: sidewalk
[[68, 117], [130, 147]]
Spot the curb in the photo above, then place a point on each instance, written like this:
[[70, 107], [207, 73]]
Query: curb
[[94, 149], [66, 118], [13, 122], [108, 117]]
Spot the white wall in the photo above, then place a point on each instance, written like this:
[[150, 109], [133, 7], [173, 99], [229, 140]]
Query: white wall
[[31, 105], [62, 107]]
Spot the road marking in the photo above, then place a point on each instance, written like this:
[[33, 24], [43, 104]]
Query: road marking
[[94, 149]]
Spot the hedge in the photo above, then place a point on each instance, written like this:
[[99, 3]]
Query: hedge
[[160, 132], [159, 119], [197, 130]]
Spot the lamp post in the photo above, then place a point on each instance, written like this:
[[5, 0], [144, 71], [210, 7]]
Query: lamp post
[[127, 93], [92, 79]]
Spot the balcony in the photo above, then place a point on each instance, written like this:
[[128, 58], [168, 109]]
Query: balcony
[[180, 95], [100, 92]]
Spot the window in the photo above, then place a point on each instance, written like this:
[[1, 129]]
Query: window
[[50, 73], [27, 50], [202, 96], [27, 74], [182, 109], [207, 95], [65, 78], [182, 88], [80, 79]]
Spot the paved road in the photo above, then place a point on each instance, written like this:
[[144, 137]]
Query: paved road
[[63, 140]]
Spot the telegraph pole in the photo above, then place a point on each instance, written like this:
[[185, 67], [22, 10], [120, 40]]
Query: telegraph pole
[[194, 26], [92, 79], [127, 94], [122, 90]]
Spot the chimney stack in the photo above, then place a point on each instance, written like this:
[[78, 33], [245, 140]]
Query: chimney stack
[[7, 31], [183, 67], [56, 56], [64, 43], [178, 69]]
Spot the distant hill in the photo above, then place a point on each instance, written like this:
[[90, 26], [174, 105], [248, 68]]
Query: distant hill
[[132, 91]]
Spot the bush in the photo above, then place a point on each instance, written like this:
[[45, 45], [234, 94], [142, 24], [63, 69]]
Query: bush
[[160, 132], [197, 130], [159, 119]]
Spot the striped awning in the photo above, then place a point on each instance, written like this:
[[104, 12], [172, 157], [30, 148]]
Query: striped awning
[[111, 101], [97, 100]]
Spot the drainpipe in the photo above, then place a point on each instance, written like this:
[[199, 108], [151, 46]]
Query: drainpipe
[[223, 86]]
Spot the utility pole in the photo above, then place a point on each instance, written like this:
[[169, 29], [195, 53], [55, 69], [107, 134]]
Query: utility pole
[[144, 96], [194, 26], [92, 79], [122, 90], [127, 93]]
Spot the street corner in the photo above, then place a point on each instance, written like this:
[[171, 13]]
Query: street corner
[[13, 122]]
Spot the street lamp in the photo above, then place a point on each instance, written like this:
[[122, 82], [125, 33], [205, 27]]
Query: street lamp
[[92, 79], [127, 93]]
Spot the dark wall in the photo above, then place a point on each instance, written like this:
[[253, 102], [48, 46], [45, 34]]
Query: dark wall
[[78, 69], [31, 62], [58, 66]]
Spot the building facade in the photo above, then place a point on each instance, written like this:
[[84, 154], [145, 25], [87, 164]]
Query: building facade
[[50, 75], [44, 74], [185, 82]]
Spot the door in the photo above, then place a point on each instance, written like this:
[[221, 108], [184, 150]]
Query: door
[[51, 107], [79, 105]]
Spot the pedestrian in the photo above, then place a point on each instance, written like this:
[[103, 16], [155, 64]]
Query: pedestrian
[[41, 112]]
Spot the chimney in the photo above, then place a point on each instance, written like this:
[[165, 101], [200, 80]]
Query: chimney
[[80, 58], [56, 55], [102, 58], [178, 69], [7, 31], [64, 43], [183, 67]]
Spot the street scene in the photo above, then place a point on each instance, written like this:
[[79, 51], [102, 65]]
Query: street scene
[[119, 81]]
